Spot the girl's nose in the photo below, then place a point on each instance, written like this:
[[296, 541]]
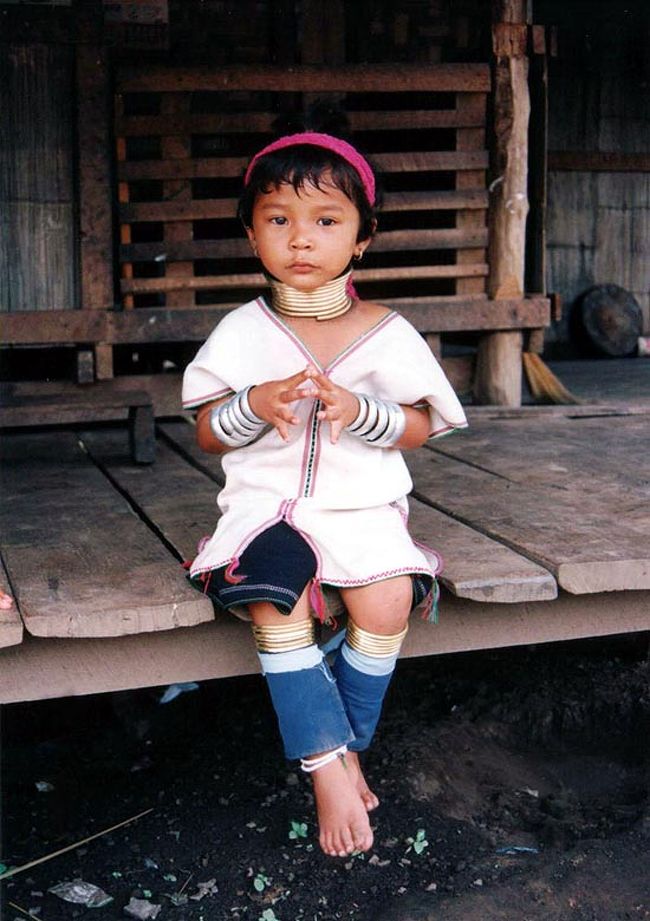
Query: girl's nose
[[300, 239]]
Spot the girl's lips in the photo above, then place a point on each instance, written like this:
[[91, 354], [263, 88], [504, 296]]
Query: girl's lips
[[302, 266]]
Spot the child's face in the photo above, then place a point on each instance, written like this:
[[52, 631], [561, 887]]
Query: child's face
[[305, 238]]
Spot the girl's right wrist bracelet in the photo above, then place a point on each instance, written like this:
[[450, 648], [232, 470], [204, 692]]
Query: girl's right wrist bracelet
[[378, 422], [234, 423]]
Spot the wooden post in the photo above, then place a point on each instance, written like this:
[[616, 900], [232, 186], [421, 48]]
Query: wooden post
[[498, 378], [95, 219]]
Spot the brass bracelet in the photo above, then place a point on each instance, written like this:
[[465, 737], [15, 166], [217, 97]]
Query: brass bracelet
[[284, 637], [374, 644]]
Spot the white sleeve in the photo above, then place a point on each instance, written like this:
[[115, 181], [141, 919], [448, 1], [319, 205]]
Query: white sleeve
[[218, 367], [413, 377]]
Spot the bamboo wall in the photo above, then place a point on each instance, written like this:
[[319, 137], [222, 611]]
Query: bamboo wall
[[37, 220], [598, 229]]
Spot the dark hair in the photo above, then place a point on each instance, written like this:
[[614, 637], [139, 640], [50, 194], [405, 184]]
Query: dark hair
[[303, 164]]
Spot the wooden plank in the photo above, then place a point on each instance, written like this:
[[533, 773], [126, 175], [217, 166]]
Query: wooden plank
[[588, 549], [549, 411], [262, 122], [89, 567], [388, 241], [471, 312], [233, 167], [85, 405], [559, 452], [219, 208], [356, 78], [182, 515], [47, 668], [257, 280], [164, 389], [11, 626], [604, 161], [475, 566], [155, 324], [182, 437]]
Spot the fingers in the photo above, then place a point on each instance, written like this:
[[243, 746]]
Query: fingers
[[295, 379], [322, 380], [290, 396], [336, 427]]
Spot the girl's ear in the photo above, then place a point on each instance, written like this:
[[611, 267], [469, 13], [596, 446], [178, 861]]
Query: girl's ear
[[362, 245]]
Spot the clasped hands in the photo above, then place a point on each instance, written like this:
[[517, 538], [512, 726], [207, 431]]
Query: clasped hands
[[272, 401]]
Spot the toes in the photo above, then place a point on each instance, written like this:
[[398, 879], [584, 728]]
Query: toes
[[363, 839], [327, 846], [370, 801], [346, 842]]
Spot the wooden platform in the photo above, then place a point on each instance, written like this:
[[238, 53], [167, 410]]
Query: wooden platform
[[543, 520]]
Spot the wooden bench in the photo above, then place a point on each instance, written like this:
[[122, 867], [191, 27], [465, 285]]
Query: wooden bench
[[543, 540], [93, 403]]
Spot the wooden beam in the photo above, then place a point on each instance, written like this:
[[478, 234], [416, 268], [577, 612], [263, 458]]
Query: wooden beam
[[42, 669], [257, 280], [94, 169], [499, 362], [262, 122], [233, 167], [598, 161], [158, 324], [239, 248], [163, 389], [212, 208], [357, 78]]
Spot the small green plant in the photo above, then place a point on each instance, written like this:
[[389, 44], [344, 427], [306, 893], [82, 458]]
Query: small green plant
[[419, 843], [260, 882], [298, 830], [268, 915]]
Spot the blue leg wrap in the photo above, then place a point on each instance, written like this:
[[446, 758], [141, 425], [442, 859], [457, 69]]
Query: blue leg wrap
[[307, 703], [362, 692]]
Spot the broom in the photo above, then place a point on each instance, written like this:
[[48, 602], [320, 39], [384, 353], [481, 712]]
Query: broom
[[543, 383]]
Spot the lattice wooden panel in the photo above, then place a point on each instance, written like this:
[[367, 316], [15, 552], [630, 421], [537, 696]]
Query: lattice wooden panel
[[185, 136]]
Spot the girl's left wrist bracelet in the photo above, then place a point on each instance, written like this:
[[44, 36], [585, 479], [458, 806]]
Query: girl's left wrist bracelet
[[380, 423], [234, 423]]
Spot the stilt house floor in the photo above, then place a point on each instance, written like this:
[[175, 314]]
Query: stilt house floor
[[542, 515]]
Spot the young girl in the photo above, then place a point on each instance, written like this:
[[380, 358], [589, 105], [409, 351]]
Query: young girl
[[309, 394]]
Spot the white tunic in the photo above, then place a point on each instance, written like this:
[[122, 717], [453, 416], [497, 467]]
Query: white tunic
[[348, 500]]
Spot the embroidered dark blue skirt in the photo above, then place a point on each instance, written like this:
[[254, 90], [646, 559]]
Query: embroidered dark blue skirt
[[277, 566]]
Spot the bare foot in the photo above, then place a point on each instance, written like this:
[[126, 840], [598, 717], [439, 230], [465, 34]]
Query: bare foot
[[369, 799], [342, 815]]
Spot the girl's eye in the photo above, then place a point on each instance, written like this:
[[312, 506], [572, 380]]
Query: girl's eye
[[327, 221], [279, 220]]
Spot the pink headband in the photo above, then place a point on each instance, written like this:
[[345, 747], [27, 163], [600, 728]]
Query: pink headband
[[336, 145]]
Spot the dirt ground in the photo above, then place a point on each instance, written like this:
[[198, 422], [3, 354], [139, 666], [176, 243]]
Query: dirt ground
[[514, 786]]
